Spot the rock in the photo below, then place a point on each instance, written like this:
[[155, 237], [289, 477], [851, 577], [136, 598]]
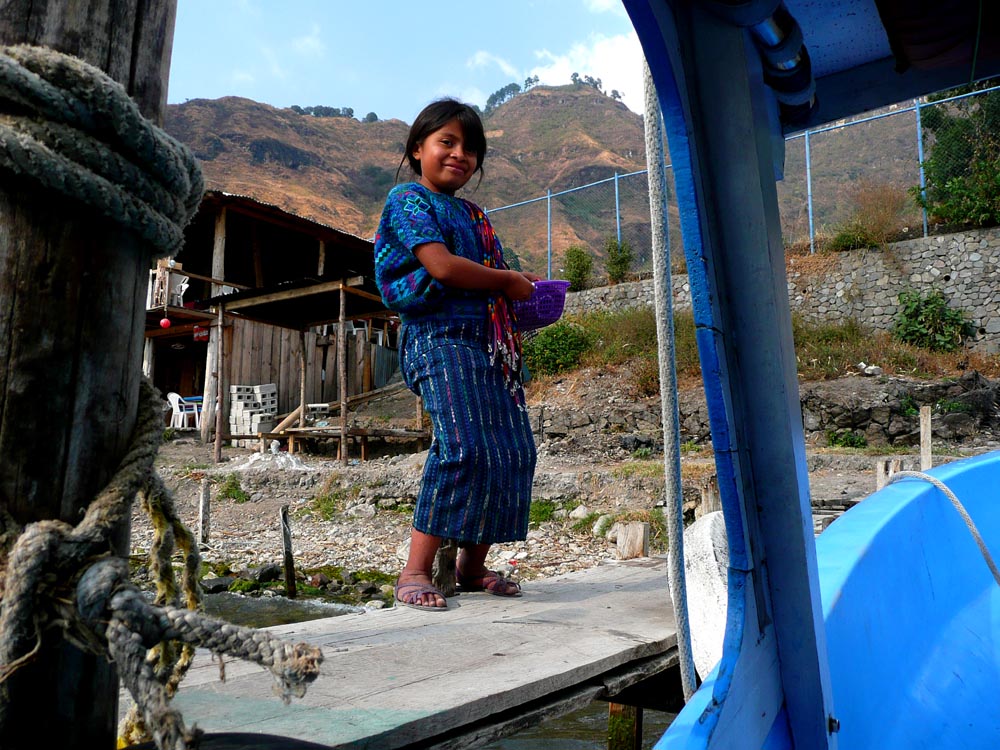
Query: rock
[[579, 512], [318, 580], [269, 573], [374, 604], [217, 585]]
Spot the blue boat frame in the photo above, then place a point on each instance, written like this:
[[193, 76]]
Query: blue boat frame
[[773, 686]]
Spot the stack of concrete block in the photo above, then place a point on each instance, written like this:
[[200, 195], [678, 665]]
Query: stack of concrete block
[[252, 409], [317, 413]]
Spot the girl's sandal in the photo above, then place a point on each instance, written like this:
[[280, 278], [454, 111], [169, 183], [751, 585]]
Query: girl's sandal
[[492, 582]]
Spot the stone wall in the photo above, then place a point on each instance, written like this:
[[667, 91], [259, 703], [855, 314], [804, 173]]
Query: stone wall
[[865, 284]]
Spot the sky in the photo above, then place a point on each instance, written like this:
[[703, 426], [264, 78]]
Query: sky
[[392, 57]]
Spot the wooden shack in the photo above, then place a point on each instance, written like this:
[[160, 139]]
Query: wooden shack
[[284, 288]]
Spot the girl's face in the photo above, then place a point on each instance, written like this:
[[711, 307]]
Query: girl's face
[[445, 164]]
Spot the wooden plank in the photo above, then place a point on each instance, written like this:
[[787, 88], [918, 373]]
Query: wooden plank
[[72, 311], [379, 689], [286, 294], [216, 281], [342, 373]]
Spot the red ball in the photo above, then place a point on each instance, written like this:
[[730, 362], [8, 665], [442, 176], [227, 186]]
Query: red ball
[[164, 322]]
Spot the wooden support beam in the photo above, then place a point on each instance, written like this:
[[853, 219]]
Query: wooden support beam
[[220, 385], [342, 373], [302, 379], [624, 727], [72, 358]]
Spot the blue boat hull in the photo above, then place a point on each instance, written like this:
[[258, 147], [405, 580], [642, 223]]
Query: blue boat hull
[[912, 618]]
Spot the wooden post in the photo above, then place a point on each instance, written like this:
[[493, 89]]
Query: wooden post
[[211, 401], [220, 384], [72, 349], [710, 500], [884, 469], [633, 540], [342, 373], [286, 546], [926, 461], [302, 379], [205, 512], [624, 727]]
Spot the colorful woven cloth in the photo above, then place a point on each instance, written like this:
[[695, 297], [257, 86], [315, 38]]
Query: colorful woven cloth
[[478, 474], [413, 216], [505, 340]]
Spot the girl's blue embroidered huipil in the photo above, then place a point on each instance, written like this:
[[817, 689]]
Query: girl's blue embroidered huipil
[[477, 478]]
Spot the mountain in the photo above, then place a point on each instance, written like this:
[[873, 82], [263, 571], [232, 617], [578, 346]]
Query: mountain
[[337, 170]]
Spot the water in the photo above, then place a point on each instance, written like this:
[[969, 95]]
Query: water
[[584, 729], [263, 612]]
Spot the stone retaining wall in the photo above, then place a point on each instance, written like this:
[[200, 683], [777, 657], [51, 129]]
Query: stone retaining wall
[[865, 284]]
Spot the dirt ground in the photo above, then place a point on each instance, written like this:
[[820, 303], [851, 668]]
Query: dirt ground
[[368, 525]]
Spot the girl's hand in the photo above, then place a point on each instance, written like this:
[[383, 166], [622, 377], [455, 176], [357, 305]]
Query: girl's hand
[[519, 285]]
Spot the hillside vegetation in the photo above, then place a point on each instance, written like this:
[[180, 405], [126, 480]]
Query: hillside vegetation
[[824, 351]]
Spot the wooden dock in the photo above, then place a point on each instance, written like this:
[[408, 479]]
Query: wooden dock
[[485, 668]]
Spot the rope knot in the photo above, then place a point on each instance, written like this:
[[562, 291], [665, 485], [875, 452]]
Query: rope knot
[[72, 129]]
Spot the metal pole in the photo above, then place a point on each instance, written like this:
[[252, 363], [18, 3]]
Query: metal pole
[[548, 204], [809, 197], [920, 161], [618, 213]]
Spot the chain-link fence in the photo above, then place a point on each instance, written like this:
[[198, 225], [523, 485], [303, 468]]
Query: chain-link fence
[[909, 171]]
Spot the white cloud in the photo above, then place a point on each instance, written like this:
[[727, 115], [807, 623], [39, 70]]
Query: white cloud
[[616, 60], [482, 59], [606, 6], [311, 44], [241, 77]]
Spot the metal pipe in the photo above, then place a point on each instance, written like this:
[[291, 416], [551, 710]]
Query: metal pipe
[[618, 213], [920, 163], [548, 203], [809, 197]]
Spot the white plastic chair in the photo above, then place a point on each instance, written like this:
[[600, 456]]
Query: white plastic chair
[[182, 410], [178, 285]]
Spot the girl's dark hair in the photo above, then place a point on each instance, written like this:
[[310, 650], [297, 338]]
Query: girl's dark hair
[[435, 116]]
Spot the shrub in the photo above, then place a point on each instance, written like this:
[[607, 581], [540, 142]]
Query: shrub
[[541, 511], [578, 267], [846, 439], [557, 348], [231, 489], [876, 216], [928, 322], [963, 165], [618, 260]]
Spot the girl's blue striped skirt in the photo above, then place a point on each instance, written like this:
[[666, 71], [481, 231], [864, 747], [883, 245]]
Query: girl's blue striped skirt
[[477, 479]]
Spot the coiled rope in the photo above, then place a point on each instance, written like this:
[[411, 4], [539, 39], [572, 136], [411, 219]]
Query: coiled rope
[[69, 128], [966, 518]]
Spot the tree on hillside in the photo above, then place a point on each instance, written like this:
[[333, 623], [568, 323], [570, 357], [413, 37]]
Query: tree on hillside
[[574, 78], [502, 95], [616, 95], [530, 81], [618, 259], [963, 167], [321, 110], [371, 117]]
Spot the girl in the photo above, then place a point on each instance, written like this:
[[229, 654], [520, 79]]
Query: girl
[[439, 265]]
